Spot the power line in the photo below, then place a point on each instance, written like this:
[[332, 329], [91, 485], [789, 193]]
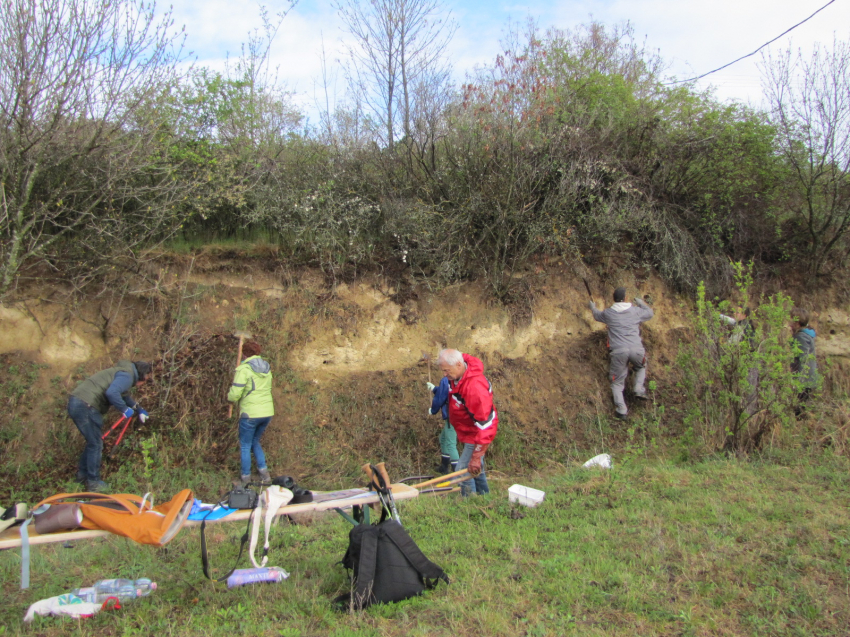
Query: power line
[[699, 77]]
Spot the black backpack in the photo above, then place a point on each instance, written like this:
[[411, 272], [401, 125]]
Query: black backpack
[[386, 566]]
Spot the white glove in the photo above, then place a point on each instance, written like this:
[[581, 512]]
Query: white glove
[[430, 386], [429, 412], [143, 415], [592, 305]]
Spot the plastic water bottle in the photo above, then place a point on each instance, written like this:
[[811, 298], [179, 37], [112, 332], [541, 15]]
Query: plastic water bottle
[[123, 589], [243, 576]]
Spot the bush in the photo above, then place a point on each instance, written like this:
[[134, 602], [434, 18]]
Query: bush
[[738, 377]]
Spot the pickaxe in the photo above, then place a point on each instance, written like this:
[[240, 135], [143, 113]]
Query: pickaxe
[[241, 335]]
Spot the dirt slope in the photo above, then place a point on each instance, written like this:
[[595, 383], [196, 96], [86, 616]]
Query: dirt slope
[[349, 359]]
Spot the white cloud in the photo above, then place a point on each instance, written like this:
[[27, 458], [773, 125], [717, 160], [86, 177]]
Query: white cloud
[[693, 37]]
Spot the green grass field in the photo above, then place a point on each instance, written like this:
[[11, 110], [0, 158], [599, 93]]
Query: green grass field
[[721, 547]]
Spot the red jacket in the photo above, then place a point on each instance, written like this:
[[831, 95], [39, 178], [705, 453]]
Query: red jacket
[[471, 409]]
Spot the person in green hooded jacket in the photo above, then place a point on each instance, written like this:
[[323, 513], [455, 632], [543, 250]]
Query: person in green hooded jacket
[[252, 391]]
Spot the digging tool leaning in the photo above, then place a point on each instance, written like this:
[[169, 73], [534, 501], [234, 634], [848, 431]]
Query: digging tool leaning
[[241, 335], [427, 358], [587, 287], [456, 476], [374, 485], [385, 477]]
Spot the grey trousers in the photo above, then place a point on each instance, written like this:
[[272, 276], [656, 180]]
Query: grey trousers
[[619, 369]]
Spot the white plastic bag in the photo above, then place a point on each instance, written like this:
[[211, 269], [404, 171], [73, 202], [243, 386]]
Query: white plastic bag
[[66, 605], [603, 461]]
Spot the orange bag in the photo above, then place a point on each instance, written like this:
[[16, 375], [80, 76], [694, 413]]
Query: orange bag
[[131, 516]]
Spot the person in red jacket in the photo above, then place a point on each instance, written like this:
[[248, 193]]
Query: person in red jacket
[[472, 413]]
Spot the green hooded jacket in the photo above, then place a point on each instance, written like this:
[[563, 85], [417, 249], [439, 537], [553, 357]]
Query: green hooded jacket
[[252, 388]]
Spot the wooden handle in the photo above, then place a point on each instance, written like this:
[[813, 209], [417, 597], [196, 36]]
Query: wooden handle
[[238, 360], [383, 471], [440, 490], [368, 469], [449, 477]]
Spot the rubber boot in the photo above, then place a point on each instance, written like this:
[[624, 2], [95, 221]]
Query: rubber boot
[[454, 465], [444, 465]]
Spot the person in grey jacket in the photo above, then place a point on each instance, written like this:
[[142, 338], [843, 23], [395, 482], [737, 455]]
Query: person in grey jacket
[[624, 345]]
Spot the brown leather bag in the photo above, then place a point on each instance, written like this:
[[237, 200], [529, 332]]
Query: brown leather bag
[[131, 516], [59, 517]]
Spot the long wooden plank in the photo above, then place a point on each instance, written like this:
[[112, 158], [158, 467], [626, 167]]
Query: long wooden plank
[[11, 538]]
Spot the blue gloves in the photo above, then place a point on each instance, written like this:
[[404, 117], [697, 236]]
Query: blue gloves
[[127, 413], [143, 415]]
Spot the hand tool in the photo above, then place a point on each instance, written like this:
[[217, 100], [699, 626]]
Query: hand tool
[[241, 335], [385, 477], [120, 435]]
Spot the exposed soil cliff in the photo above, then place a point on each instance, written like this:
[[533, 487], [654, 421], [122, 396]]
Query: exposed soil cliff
[[350, 360]]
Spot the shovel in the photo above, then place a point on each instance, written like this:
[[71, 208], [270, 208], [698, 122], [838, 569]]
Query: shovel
[[427, 358], [241, 335]]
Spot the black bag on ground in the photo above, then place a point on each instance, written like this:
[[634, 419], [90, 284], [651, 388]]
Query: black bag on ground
[[386, 565]]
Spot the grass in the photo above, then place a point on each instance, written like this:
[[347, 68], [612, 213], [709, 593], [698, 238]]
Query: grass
[[722, 547], [248, 240]]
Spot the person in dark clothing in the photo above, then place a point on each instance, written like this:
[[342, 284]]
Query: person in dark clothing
[[624, 346], [448, 436], [805, 363], [90, 401]]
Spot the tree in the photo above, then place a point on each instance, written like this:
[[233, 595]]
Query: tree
[[82, 152], [396, 60], [235, 127], [535, 151], [738, 380], [810, 105]]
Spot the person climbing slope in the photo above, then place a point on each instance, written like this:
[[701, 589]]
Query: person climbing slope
[[624, 346]]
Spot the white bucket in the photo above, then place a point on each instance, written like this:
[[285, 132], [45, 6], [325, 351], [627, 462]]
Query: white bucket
[[525, 496]]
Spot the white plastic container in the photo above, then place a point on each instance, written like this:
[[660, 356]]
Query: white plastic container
[[525, 496]]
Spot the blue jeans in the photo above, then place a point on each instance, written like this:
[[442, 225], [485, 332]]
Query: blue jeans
[[250, 432], [90, 423], [474, 485]]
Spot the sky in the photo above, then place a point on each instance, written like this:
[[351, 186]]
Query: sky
[[692, 37]]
